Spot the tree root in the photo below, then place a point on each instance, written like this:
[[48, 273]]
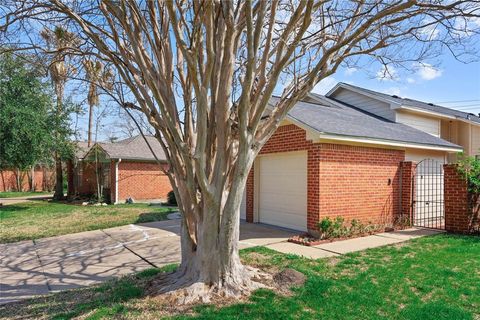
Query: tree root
[[179, 288]]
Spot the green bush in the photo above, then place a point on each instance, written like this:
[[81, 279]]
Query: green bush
[[469, 167], [330, 229]]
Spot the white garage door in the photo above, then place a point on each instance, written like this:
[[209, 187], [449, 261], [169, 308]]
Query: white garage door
[[283, 190], [243, 206]]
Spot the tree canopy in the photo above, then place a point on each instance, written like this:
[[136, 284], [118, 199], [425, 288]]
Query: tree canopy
[[30, 129]]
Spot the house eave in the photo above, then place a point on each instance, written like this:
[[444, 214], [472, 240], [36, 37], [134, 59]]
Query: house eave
[[385, 142]]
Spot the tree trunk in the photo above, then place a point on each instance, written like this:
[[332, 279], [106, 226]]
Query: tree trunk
[[90, 124], [32, 179], [211, 267], [58, 195]]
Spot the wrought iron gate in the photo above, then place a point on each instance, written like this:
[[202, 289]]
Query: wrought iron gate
[[428, 198]]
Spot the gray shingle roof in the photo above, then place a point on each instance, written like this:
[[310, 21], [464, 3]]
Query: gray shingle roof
[[418, 104], [81, 149], [134, 148], [332, 117]]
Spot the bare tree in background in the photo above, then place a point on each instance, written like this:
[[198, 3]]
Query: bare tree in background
[[203, 73], [98, 78]]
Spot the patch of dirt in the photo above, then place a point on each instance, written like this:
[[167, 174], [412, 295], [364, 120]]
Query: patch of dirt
[[289, 277], [333, 261]]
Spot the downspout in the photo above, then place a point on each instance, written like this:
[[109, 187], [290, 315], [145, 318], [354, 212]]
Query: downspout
[[116, 180]]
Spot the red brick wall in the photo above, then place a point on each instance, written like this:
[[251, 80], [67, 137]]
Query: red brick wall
[[347, 181], [141, 180], [459, 216], [359, 183], [87, 185], [42, 176]]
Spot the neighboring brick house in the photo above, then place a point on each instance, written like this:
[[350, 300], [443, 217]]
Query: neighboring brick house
[[125, 169], [330, 159]]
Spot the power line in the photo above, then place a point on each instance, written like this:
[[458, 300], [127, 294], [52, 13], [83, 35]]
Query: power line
[[458, 101]]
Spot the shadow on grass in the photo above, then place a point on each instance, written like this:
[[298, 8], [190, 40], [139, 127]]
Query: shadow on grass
[[13, 208], [154, 215]]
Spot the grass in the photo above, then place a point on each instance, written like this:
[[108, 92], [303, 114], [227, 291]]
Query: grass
[[15, 194], [39, 219], [428, 278]]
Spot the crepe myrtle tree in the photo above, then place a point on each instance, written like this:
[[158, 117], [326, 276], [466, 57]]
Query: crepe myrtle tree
[[203, 73]]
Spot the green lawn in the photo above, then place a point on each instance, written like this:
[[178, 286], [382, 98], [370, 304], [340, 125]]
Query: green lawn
[[38, 219], [429, 278], [15, 194]]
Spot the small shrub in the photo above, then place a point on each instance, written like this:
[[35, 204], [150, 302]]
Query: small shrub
[[332, 228], [171, 200]]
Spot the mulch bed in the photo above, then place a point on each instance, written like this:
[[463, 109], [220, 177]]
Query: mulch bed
[[308, 240]]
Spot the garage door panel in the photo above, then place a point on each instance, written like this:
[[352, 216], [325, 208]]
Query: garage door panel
[[283, 190]]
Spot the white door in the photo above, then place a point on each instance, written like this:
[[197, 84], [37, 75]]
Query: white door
[[243, 205], [283, 190]]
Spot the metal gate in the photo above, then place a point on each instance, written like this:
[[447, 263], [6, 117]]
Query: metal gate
[[428, 198]]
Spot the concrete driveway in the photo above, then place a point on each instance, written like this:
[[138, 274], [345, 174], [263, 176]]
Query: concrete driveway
[[47, 265]]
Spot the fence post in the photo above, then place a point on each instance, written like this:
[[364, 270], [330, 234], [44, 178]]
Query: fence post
[[457, 209]]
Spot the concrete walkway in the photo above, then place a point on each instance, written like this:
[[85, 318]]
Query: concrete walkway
[[47, 265], [7, 201]]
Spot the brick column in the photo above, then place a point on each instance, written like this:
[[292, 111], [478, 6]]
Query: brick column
[[407, 190], [313, 188], [250, 195], [457, 210]]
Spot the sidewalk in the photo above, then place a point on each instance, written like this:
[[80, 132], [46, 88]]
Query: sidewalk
[[7, 201], [342, 247]]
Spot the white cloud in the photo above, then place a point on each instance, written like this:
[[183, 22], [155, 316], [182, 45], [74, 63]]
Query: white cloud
[[410, 80], [387, 73], [325, 85], [349, 71], [427, 71]]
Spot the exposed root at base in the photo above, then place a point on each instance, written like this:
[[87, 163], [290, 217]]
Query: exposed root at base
[[179, 289]]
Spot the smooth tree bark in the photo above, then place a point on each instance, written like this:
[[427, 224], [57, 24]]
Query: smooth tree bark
[[203, 74]]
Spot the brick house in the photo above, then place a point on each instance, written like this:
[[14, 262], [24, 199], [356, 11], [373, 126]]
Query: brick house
[[327, 159], [331, 159], [125, 169]]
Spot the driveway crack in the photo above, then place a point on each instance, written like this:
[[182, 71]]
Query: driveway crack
[[41, 266], [125, 246]]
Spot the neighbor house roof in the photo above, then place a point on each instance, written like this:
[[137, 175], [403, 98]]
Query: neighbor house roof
[[81, 149], [407, 102], [134, 148], [332, 119]]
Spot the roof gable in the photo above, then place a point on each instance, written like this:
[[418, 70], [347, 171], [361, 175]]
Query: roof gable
[[397, 101]]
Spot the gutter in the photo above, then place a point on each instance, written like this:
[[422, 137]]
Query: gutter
[[116, 180], [388, 143]]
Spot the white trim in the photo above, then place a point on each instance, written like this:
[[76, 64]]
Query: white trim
[[387, 143], [429, 112], [116, 180]]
